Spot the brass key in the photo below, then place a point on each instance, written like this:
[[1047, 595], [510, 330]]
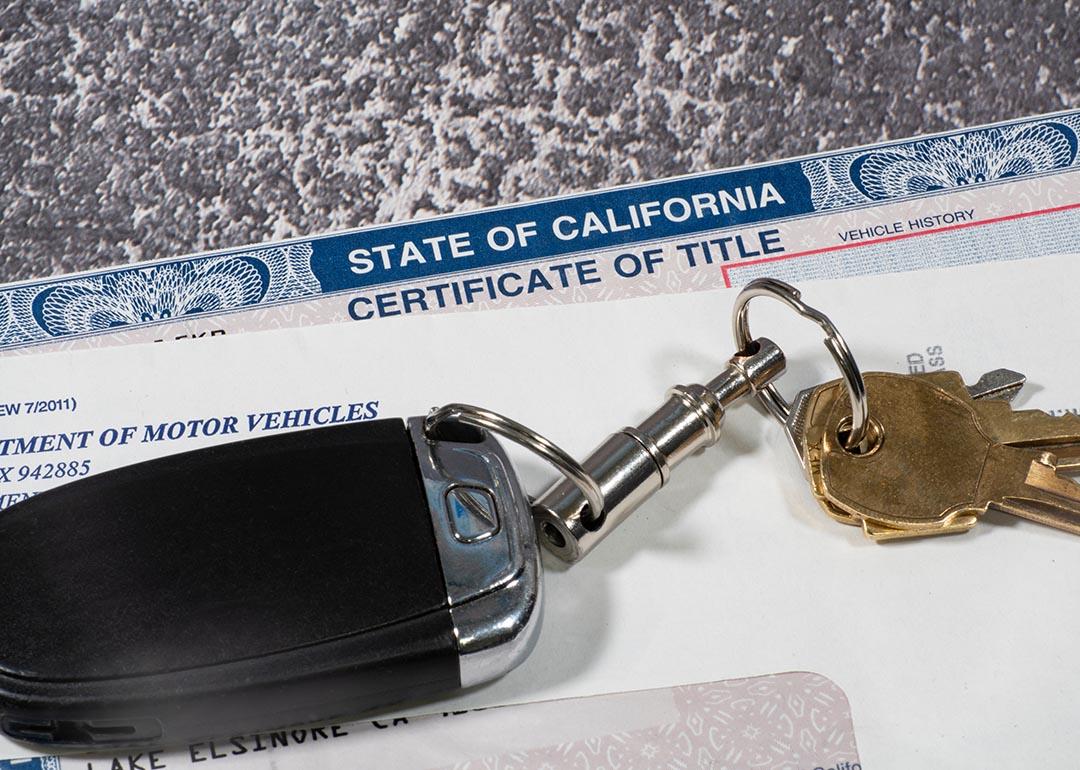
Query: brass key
[[938, 455]]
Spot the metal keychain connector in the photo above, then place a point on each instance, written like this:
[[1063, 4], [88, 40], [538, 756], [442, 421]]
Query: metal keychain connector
[[634, 463]]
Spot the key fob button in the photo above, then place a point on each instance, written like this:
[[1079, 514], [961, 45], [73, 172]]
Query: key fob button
[[473, 514]]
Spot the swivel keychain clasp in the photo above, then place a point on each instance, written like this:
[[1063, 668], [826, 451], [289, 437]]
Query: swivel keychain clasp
[[597, 494]]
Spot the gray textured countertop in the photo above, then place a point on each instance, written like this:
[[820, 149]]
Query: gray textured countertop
[[130, 131]]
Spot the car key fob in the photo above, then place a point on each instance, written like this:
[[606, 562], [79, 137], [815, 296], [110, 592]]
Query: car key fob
[[281, 580]]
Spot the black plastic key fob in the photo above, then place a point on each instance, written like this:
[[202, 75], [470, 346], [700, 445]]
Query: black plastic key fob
[[276, 581]]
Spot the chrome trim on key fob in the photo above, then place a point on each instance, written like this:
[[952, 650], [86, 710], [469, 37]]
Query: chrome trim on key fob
[[487, 547]]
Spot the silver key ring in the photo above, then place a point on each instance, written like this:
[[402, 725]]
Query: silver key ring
[[777, 405], [514, 431]]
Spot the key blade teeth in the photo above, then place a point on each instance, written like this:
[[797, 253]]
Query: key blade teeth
[[1003, 424], [998, 385], [1029, 428]]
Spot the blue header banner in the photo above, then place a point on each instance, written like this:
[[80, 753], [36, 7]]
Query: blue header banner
[[553, 228], [305, 268]]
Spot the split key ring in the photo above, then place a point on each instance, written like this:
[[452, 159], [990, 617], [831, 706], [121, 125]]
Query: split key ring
[[857, 439]]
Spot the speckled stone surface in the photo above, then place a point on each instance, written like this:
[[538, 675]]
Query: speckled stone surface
[[132, 131]]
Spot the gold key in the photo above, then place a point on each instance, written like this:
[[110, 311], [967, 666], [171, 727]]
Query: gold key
[[937, 456], [913, 455]]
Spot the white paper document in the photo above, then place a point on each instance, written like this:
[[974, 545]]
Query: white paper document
[[955, 651], [795, 719]]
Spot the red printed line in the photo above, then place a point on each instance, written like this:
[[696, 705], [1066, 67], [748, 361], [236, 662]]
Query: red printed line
[[842, 246]]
